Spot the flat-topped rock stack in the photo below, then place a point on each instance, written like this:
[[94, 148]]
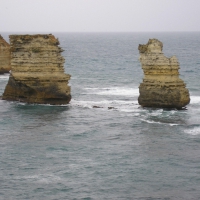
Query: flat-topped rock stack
[[37, 74], [4, 56], [161, 87]]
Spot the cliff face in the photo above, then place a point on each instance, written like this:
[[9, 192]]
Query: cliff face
[[161, 87], [37, 74], [4, 56]]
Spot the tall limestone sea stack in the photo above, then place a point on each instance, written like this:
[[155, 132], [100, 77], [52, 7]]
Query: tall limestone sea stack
[[161, 87], [4, 56], [37, 72]]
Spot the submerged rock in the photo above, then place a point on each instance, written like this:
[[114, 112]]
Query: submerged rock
[[109, 108], [161, 87], [37, 74], [4, 56], [97, 107]]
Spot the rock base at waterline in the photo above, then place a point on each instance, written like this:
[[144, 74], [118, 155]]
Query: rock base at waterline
[[37, 71], [161, 86]]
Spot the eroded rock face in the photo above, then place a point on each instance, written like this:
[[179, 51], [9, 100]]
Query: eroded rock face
[[161, 87], [4, 56], [37, 74]]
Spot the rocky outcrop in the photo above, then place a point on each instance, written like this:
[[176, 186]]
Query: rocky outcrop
[[4, 56], [37, 74], [161, 87]]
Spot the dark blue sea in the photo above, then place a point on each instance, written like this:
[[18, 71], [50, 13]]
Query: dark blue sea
[[128, 152]]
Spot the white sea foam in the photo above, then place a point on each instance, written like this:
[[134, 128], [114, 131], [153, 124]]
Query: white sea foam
[[173, 124], [86, 103], [4, 76], [120, 105], [117, 91], [156, 112], [193, 131], [74, 77], [194, 99], [160, 112], [154, 122]]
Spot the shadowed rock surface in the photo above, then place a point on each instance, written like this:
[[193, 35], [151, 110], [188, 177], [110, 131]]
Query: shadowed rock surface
[[161, 87], [37, 74], [4, 56]]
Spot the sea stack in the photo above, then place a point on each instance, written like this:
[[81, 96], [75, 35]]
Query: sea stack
[[4, 56], [37, 72], [161, 87]]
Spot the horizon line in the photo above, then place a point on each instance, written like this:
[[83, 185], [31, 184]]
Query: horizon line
[[99, 31]]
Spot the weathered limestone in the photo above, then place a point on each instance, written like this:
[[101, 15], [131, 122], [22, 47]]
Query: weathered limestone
[[161, 87], [4, 56], [37, 74]]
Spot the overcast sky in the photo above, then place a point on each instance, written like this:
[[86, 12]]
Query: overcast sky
[[99, 15]]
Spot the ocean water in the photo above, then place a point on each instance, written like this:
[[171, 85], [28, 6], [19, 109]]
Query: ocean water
[[127, 152]]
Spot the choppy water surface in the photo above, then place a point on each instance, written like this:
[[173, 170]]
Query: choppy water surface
[[80, 152]]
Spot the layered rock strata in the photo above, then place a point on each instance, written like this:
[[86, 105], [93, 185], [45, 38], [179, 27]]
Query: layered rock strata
[[161, 87], [4, 56], [37, 74]]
